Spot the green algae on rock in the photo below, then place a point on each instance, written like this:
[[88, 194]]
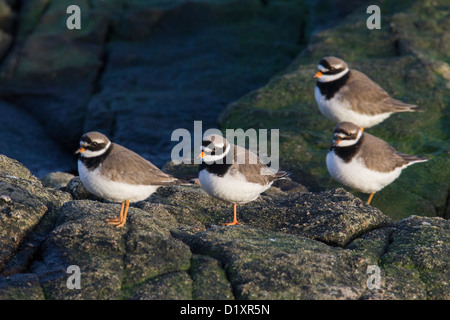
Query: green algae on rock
[[402, 57]]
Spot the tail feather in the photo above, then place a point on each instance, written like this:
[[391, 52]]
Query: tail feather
[[404, 107], [282, 175], [410, 159]]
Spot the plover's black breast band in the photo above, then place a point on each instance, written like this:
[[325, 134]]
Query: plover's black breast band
[[329, 89], [94, 162], [347, 153]]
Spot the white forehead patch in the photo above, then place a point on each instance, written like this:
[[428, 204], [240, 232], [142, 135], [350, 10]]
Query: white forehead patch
[[219, 144], [91, 154], [339, 135], [321, 68]]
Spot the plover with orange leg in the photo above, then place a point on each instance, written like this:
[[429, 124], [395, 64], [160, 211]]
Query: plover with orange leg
[[117, 174], [344, 94], [234, 182], [364, 162]]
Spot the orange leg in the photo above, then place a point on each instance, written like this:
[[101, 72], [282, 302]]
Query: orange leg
[[117, 220], [235, 218], [370, 197], [120, 222]]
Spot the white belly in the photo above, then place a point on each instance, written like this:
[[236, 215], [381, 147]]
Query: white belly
[[233, 189], [356, 175], [110, 190], [337, 110]]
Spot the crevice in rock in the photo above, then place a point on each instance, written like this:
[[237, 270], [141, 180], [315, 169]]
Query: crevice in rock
[[386, 248], [17, 42], [444, 210], [124, 288], [29, 249], [361, 234], [13, 31], [186, 239], [104, 58], [189, 272]]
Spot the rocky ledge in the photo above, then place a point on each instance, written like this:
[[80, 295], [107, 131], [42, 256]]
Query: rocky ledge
[[291, 244]]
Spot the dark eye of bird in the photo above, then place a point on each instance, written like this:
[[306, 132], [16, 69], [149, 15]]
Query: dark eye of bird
[[94, 144]]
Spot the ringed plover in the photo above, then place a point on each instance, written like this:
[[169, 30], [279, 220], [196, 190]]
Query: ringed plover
[[365, 162], [344, 94], [117, 174], [241, 180]]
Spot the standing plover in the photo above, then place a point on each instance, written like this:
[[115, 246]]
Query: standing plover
[[238, 180], [344, 94], [117, 174], [364, 162]]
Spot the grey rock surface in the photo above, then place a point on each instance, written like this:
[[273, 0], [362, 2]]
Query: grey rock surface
[[291, 244]]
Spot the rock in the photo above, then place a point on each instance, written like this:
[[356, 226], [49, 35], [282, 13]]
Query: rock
[[172, 286], [55, 80], [335, 217], [56, 180], [23, 204], [271, 265], [413, 258], [209, 279], [411, 264], [21, 287], [78, 191], [404, 58], [132, 71], [291, 244], [139, 253], [6, 22], [31, 144]]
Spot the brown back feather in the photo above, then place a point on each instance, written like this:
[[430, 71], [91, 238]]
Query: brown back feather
[[379, 155], [369, 96], [253, 169], [127, 166]]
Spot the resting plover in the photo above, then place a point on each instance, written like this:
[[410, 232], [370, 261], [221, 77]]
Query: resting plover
[[344, 94], [117, 174], [238, 180], [364, 162]]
